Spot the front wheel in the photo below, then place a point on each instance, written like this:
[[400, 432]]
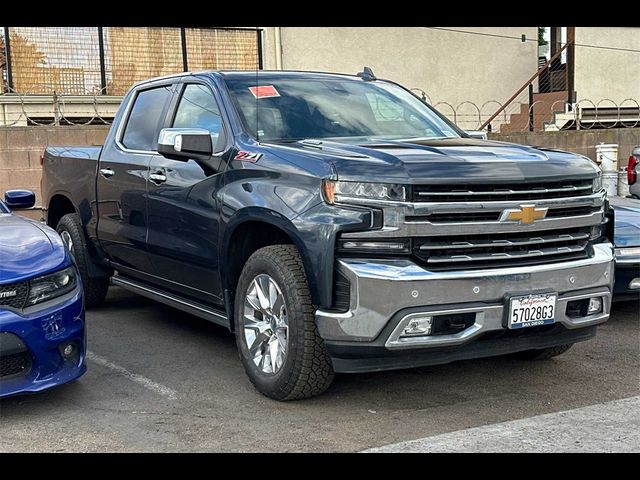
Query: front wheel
[[278, 341]]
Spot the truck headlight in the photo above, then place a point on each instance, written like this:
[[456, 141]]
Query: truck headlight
[[336, 192], [51, 286], [597, 183]]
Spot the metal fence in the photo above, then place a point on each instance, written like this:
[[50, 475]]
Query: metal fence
[[545, 114], [108, 60]]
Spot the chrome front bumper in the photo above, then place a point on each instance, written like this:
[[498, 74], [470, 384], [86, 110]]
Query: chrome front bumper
[[382, 289]]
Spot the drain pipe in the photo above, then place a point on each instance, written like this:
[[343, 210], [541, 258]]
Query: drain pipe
[[277, 38]]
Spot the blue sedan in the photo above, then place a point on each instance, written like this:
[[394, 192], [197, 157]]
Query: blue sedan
[[42, 326], [627, 241]]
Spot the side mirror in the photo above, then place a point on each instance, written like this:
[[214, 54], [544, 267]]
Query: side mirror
[[185, 143], [19, 199], [479, 134]]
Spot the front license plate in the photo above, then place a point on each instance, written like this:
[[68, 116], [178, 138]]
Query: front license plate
[[532, 310]]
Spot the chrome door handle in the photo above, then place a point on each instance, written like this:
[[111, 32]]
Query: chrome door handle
[[158, 178], [107, 172]]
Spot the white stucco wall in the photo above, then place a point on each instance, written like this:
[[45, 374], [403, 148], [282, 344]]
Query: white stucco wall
[[607, 74], [449, 66]]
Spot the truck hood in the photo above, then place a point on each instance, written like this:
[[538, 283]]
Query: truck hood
[[453, 160], [28, 249], [627, 221]]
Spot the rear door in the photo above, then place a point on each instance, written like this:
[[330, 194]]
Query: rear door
[[123, 175], [183, 202]]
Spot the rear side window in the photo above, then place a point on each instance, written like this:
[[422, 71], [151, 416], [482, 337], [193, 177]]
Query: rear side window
[[145, 119]]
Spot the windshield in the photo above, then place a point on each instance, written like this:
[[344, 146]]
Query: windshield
[[295, 109], [3, 208]]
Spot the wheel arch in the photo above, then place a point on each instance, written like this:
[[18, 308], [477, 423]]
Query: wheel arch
[[247, 234]]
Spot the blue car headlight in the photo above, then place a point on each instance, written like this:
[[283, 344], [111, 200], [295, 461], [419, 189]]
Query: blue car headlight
[[51, 286]]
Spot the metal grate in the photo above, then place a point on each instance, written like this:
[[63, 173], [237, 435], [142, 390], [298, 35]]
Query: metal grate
[[108, 60], [502, 250], [15, 364], [14, 294], [501, 192]]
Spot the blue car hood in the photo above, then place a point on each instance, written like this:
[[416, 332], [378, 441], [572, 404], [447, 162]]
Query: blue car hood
[[28, 249], [627, 221]]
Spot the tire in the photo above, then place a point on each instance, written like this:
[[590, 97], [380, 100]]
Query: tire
[[95, 289], [305, 368], [543, 354]]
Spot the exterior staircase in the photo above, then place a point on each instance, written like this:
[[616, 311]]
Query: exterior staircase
[[545, 106]]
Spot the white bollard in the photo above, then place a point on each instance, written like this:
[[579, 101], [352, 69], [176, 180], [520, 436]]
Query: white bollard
[[623, 183], [610, 183]]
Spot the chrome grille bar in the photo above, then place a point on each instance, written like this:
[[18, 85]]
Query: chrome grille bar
[[562, 237], [515, 255]]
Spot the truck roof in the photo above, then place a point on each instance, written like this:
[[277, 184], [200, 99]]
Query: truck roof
[[250, 74]]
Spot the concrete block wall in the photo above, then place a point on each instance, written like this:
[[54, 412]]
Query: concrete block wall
[[579, 141], [21, 147]]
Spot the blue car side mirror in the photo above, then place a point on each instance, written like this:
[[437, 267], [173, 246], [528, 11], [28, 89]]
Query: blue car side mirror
[[16, 199]]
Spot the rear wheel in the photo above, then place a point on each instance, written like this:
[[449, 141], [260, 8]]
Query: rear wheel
[[278, 341], [543, 354], [70, 229]]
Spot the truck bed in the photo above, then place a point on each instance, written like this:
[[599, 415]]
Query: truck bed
[[71, 171]]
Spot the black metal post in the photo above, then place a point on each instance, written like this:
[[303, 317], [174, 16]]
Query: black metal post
[[7, 45], [185, 60], [259, 34], [531, 107], [103, 69]]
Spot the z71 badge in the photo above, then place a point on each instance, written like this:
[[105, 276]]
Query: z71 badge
[[247, 156]]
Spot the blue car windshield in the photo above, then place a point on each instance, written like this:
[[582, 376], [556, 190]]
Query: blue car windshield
[[277, 109], [3, 208]]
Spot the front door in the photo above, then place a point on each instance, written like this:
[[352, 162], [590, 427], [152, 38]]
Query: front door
[[122, 180], [183, 204]]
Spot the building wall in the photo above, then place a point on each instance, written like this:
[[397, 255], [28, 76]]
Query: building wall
[[450, 67], [579, 141], [607, 74], [21, 147]]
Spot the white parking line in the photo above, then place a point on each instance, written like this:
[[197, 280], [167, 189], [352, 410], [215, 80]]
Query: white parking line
[[134, 377], [606, 427]]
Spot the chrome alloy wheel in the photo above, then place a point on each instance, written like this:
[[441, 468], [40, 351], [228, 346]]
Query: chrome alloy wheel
[[67, 240], [265, 326]]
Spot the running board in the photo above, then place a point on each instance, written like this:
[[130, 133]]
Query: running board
[[172, 300]]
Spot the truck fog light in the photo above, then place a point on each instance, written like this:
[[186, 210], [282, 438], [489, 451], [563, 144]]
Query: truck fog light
[[418, 326], [634, 284], [68, 351], [595, 305]]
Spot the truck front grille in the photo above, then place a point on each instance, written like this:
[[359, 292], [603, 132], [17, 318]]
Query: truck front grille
[[501, 192], [470, 217], [502, 250], [14, 294]]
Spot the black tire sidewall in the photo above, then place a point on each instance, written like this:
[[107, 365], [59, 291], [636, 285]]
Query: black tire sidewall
[[95, 289], [69, 224]]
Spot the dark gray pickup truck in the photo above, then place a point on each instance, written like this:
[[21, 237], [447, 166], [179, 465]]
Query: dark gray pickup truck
[[335, 223]]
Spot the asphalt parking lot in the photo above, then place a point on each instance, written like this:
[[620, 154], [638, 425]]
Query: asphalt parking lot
[[160, 380]]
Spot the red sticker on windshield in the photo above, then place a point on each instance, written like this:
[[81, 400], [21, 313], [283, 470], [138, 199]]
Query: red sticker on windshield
[[264, 91]]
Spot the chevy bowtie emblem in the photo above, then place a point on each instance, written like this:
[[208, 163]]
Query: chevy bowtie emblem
[[526, 214]]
